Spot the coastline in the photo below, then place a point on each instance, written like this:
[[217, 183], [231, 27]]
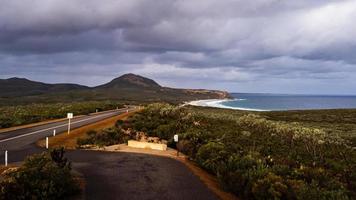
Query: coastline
[[218, 103]]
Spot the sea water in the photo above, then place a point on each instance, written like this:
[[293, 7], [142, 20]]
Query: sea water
[[266, 102]]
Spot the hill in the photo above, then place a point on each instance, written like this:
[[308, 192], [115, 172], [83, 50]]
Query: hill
[[126, 88], [18, 87], [131, 81]]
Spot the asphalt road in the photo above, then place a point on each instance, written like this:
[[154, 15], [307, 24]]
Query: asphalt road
[[112, 175], [19, 142]]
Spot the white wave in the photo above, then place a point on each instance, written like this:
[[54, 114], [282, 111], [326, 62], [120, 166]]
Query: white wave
[[218, 103]]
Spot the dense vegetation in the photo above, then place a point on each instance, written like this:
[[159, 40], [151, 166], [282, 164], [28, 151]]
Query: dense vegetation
[[255, 157], [106, 137], [338, 122], [42, 176], [19, 115]]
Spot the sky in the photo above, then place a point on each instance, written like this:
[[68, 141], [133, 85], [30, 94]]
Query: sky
[[268, 46]]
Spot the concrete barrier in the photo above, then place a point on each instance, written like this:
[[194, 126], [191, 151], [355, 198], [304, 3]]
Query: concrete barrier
[[146, 145]]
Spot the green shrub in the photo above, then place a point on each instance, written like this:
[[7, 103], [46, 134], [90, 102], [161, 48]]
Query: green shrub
[[106, 137], [314, 192], [211, 156], [238, 174], [165, 131], [269, 187], [194, 139], [42, 176], [119, 123]]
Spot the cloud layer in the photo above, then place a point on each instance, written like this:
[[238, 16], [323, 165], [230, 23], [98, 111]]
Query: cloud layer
[[248, 46]]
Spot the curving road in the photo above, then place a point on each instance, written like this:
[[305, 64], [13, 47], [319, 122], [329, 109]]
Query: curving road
[[112, 175], [18, 140]]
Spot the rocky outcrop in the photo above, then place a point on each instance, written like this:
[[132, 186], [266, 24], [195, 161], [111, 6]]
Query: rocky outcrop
[[217, 93]]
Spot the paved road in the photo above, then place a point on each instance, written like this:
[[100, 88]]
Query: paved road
[[113, 175], [19, 141]]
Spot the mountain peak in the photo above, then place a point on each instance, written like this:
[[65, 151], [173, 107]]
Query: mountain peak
[[17, 79], [132, 80]]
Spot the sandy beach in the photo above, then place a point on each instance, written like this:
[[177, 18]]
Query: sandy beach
[[218, 103]]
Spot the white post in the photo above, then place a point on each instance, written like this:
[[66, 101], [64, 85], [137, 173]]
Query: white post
[[96, 110], [175, 138], [69, 116], [5, 158], [127, 111], [54, 132], [68, 125], [46, 142]]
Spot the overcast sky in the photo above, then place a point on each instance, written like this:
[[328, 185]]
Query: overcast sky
[[279, 46]]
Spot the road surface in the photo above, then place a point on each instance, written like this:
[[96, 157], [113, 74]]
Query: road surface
[[112, 175], [21, 139]]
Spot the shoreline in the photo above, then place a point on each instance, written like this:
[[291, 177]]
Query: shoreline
[[217, 103]]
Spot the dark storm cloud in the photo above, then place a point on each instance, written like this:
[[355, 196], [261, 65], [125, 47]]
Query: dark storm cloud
[[231, 42]]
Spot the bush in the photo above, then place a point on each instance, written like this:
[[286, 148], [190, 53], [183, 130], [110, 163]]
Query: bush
[[238, 174], [119, 123], [314, 192], [42, 176], [211, 156], [165, 131], [106, 137], [269, 187]]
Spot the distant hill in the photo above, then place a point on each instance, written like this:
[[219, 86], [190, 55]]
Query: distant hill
[[131, 81], [18, 87], [126, 88]]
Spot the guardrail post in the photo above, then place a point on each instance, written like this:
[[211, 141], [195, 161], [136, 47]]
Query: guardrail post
[[68, 126], [46, 142], [54, 132], [5, 158]]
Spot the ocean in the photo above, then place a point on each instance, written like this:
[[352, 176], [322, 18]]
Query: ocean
[[269, 102]]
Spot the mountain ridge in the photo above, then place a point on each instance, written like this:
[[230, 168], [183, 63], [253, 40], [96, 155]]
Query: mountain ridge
[[17, 87], [128, 87]]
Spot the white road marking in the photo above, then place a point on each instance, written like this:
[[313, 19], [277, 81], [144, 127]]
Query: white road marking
[[27, 134]]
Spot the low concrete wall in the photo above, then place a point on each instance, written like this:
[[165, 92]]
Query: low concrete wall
[[146, 145]]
